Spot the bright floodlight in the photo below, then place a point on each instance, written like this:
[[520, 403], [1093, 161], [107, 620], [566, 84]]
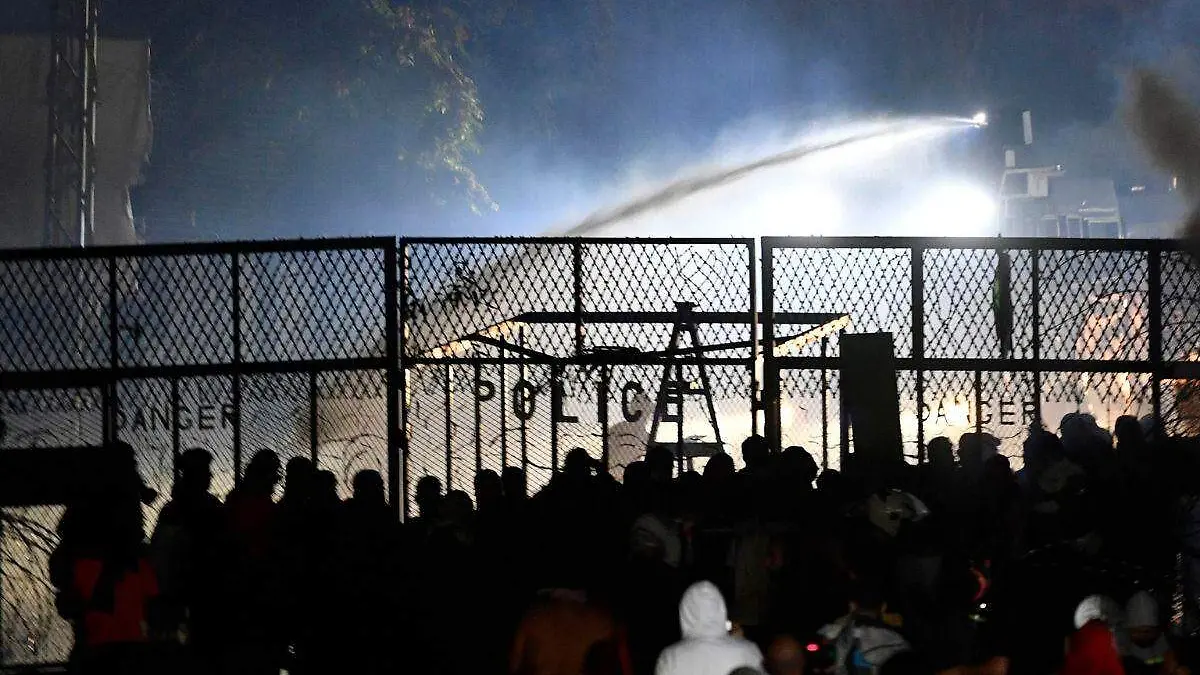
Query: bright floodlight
[[954, 209], [980, 119]]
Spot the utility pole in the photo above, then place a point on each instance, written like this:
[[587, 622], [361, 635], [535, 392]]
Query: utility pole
[[71, 129]]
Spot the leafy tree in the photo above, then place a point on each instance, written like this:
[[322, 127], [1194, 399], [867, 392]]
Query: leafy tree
[[257, 102]]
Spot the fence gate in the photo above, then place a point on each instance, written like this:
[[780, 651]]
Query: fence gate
[[991, 335], [239, 347], [443, 357], [517, 351]]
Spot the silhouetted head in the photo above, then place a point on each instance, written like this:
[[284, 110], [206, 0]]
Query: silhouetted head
[[489, 489], [719, 468], [997, 472], [755, 452], [458, 507], [578, 464], [1129, 433], [195, 472], [830, 482], [800, 465], [325, 487], [368, 488], [660, 463], [298, 479], [637, 476], [941, 452], [429, 496], [970, 451], [262, 473], [513, 478], [1041, 448]]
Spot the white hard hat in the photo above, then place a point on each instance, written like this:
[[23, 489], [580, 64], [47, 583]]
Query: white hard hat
[[1097, 608], [1141, 610]]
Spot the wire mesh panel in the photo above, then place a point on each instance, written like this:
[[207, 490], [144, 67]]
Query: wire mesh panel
[[949, 408], [304, 305], [516, 351], [811, 413], [207, 417], [144, 421], [352, 424], [872, 285], [1180, 304], [176, 310], [1105, 396], [56, 314], [1181, 407], [1094, 305], [31, 631], [456, 289], [967, 293], [276, 415], [631, 277]]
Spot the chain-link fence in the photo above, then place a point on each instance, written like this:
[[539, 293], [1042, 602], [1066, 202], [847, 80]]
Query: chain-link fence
[[235, 348], [518, 351], [441, 357], [991, 335]]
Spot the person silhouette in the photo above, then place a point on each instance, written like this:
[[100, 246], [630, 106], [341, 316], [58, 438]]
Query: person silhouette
[[186, 552]]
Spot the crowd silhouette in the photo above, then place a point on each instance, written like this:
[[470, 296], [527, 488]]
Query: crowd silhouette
[[957, 566]]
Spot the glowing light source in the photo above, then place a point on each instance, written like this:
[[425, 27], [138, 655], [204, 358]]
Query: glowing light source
[[980, 119], [954, 209]]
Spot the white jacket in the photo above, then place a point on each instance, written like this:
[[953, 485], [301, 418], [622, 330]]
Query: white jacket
[[707, 647]]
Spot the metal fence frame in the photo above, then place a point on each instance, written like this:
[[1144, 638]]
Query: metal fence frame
[[580, 355], [395, 362], [920, 363], [237, 367]]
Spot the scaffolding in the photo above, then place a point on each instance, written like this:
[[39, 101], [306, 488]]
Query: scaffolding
[[71, 124]]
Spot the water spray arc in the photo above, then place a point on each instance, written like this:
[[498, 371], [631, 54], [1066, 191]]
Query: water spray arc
[[687, 187]]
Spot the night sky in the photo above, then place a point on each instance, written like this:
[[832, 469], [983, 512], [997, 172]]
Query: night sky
[[260, 130]]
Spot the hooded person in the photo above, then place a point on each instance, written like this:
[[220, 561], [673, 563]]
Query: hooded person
[[1097, 608], [864, 640], [707, 648], [1142, 642]]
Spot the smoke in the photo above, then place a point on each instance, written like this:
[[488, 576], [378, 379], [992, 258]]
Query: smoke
[[682, 120], [1168, 126]]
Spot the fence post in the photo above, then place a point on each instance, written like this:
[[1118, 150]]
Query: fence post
[[236, 387], [1035, 255], [770, 397], [396, 303], [521, 416], [478, 423], [447, 403], [1156, 356], [555, 406], [175, 449], [312, 417], [824, 405], [918, 344], [751, 249], [111, 410], [577, 291], [979, 402]]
